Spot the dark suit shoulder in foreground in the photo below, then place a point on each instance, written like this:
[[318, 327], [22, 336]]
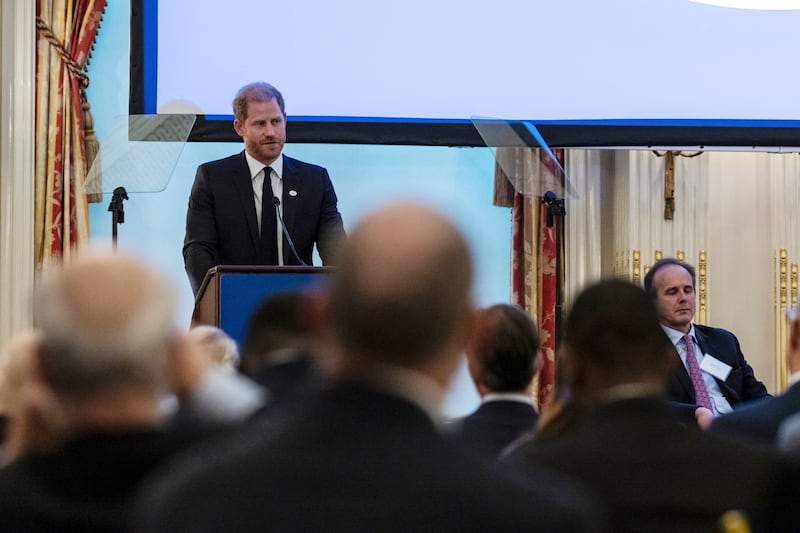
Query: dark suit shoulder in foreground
[[493, 426], [657, 475], [89, 484], [358, 460], [759, 420]]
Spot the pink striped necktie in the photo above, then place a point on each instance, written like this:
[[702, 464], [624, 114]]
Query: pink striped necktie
[[700, 392]]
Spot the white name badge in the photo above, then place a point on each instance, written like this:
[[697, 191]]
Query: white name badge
[[715, 367]]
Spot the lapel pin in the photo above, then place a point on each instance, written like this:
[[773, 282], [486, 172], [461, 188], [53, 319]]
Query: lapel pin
[[292, 192]]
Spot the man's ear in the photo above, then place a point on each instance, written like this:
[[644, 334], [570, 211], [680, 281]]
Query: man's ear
[[239, 127]]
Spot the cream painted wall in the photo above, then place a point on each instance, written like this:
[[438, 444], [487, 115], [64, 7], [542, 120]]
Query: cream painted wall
[[732, 205], [740, 256]]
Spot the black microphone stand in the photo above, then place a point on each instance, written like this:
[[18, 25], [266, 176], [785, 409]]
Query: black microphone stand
[[277, 203], [555, 216], [555, 207], [117, 212]]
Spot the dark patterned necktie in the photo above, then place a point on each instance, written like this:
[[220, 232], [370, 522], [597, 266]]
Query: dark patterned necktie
[[269, 225], [700, 392]]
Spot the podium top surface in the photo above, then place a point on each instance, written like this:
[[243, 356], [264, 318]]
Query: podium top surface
[[258, 269]]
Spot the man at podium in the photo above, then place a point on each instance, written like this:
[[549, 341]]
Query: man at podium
[[259, 207]]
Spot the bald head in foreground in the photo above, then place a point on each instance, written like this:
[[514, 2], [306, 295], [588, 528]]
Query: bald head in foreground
[[402, 293], [107, 328], [365, 454]]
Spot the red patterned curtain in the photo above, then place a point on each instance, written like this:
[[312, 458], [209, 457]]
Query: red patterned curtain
[[535, 281], [66, 30]]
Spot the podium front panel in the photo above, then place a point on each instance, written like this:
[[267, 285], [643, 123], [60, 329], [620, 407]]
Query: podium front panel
[[240, 294]]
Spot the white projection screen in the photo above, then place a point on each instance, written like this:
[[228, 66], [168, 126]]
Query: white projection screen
[[586, 72]]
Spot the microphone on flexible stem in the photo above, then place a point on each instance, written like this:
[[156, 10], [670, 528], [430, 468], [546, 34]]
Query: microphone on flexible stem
[[555, 207], [549, 198], [277, 203]]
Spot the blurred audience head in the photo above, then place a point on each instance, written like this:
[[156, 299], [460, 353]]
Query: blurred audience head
[[401, 294], [217, 345], [278, 328], [107, 329], [33, 417], [504, 350], [612, 337]]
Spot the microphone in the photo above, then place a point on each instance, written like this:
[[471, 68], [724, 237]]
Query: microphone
[[277, 203], [555, 207], [549, 198]]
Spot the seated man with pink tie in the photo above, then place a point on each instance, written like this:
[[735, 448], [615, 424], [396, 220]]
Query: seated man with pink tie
[[625, 444], [713, 375]]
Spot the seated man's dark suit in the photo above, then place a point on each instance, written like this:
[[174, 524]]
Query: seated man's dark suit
[[221, 222], [657, 475], [741, 384], [355, 459], [493, 426], [760, 420]]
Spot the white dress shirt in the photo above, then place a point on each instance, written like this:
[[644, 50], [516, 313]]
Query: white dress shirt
[[276, 180]]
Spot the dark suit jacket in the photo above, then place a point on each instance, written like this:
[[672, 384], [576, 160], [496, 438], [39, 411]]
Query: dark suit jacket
[[656, 474], [221, 224], [493, 426], [90, 483], [354, 459], [741, 385], [759, 420], [288, 384]]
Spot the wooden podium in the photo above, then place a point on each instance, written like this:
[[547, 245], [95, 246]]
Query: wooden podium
[[230, 293]]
